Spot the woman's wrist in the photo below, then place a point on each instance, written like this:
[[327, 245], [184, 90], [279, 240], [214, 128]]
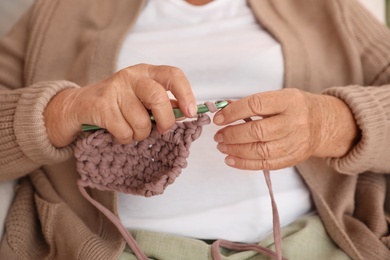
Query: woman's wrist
[[61, 126], [340, 131]]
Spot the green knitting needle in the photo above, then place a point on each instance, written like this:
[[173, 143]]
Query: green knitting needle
[[176, 111]]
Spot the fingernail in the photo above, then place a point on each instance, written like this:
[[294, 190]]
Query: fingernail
[[218, 138], [218, 119], [193, 110], [230, 161], [222, 147]]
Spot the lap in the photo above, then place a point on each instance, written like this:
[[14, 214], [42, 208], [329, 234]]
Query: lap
[[304, 239]]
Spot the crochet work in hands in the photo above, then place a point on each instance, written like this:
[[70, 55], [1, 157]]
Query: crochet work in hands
[[141, 168], [146, 168]]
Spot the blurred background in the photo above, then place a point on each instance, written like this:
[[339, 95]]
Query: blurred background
[[11, 10]]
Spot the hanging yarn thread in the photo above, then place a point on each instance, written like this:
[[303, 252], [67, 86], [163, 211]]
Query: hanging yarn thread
[[146, 168]]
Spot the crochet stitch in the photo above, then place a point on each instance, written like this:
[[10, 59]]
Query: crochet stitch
[[146, 168], [141, 168]]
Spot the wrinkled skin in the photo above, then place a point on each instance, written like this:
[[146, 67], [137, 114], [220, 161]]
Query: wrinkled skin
[[295, 125], [119, 104], [288, 126]]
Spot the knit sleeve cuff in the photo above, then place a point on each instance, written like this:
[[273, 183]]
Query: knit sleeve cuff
[[29, 124], [368, 105]]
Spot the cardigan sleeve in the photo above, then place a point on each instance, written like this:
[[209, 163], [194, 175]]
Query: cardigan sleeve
[[370, 104], [24, 145]]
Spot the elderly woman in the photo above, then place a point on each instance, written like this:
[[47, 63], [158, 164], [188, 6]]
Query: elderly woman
[[313, 76]]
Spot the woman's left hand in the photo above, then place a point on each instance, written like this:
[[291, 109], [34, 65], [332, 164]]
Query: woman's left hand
[[293, 126]]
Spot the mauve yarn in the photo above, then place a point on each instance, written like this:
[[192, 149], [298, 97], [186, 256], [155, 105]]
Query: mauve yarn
[[146, 168], [141, 168]]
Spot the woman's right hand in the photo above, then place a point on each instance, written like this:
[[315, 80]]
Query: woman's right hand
[[119, 104]]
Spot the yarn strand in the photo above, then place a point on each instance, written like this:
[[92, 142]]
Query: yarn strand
[[146, 168]]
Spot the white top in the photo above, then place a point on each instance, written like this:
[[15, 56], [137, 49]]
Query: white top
[[225, 54]]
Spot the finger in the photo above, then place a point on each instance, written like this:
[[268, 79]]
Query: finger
[[261, 104], [261, 164], [264, 130], [175, 105], [103, 110], [258, 150], [174, 80], [116, 124], [135, 114], [154, 97]]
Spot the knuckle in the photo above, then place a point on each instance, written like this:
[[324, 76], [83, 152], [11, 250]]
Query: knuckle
[[265, 165], [257, 131], [261, 150], [156, 94], [124, 137], [158, 97], [243, 164], [255, 103], [124, 78], [141, 67], [141, 135], [133, 72], [125, 73], [175, 72], [141, 125], [144, 84]]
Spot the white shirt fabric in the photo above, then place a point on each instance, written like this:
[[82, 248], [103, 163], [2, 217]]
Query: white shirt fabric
[[225, 54]]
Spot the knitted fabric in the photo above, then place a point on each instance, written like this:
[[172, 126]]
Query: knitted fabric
[[146, 168], [141, 168]]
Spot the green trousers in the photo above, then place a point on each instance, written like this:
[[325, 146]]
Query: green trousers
[[305, 239]]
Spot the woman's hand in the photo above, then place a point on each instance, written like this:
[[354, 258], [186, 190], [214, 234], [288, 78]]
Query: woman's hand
[[119, 104], [295, 125]]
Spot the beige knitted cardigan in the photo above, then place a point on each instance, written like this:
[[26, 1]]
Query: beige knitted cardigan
[[330, 46]]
